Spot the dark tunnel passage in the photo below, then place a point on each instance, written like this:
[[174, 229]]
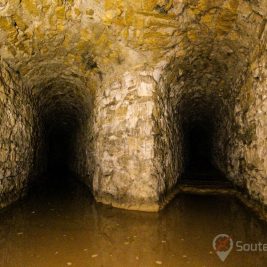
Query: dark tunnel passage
[[58, 150], [62, 117], [59, 138], [57, 141], [199, 145]]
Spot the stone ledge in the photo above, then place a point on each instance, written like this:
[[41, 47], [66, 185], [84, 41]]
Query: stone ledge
[[254, 205], [134, 205]]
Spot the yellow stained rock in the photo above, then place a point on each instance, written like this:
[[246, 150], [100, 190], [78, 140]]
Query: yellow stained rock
[[31, 7], [60, 12]]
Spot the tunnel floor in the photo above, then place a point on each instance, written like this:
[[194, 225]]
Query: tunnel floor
[[63, 226], [202, 174]]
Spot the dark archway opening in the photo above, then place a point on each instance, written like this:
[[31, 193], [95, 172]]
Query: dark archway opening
[[198, 138], [199, 147], [57, 142], [63, 113], [57, 184], [59, 137]]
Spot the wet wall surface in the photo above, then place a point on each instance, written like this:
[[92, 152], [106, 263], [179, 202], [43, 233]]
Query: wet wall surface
[[63, 226]]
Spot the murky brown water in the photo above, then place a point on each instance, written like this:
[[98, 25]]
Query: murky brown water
[[68, 228]]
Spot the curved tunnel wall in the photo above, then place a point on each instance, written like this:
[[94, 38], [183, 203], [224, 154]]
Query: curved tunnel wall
[[16, 136], [53, 111], [244, 153], [232, 98], [183, 104]]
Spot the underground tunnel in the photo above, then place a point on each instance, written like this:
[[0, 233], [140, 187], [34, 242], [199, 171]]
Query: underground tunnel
[[199, 122], [62, 112], [156, 106], [137, 146]]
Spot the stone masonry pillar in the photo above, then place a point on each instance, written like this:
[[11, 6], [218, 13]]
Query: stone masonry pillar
[[124, 143]]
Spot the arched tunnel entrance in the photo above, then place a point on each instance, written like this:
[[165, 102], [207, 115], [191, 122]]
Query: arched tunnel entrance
[[63, 120]]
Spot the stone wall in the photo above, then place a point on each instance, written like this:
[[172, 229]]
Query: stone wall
[[245, 151], [16, 136], [129, 78], [124, 144]]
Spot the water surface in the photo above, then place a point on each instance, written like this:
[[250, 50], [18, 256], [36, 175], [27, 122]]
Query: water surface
[[65, 227]]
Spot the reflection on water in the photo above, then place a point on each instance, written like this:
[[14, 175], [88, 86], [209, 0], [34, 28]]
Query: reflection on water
[[65, 227]]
